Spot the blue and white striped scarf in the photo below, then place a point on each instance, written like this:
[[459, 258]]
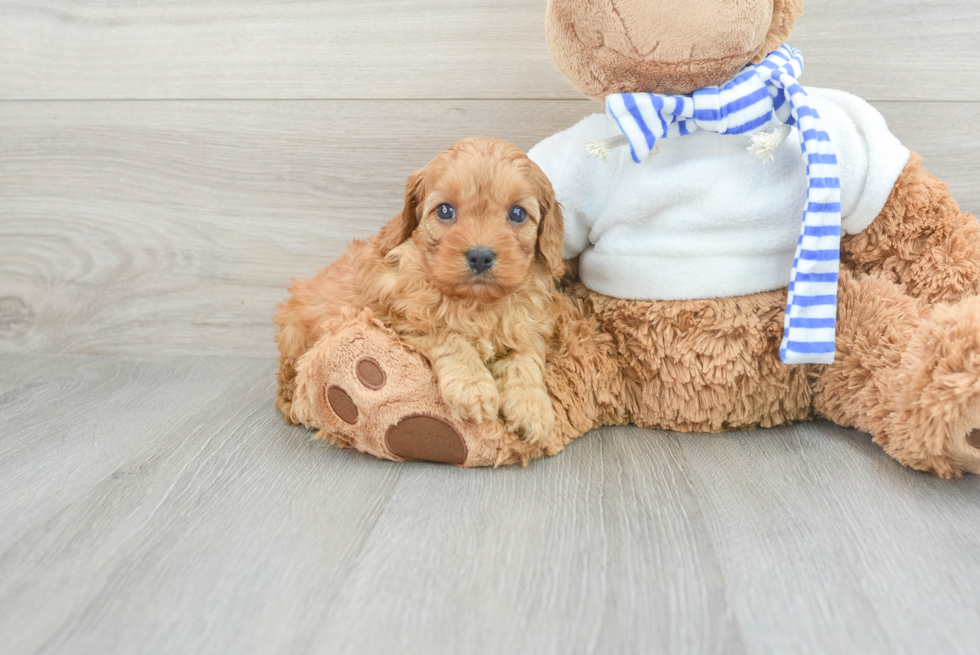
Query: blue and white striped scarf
[[760, 95]]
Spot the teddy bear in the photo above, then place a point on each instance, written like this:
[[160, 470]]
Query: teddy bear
[[742, 252]]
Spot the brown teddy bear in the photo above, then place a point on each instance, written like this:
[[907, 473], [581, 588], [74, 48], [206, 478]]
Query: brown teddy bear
[[677, 313]]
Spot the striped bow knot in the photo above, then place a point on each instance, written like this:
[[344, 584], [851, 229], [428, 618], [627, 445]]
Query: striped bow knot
[[759, 96]]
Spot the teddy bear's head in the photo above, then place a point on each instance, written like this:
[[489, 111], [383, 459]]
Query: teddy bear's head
[[663, 46]]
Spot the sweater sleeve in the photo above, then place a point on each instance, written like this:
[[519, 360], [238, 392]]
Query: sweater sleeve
[[582, 184], [871, 157]]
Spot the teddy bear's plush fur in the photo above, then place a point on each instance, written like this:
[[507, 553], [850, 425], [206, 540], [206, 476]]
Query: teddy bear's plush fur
[[907, 367]]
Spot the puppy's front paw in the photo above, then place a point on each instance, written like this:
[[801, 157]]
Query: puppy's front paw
[[473, 399], [529, 415]]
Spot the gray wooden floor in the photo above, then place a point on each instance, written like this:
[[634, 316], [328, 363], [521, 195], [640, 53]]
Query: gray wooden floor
[[161, 505], [166, 166]]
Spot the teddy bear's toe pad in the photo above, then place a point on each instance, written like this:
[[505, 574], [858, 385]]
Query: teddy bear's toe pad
[[974, 438], [426, 438], [370, 373], [342, 405]]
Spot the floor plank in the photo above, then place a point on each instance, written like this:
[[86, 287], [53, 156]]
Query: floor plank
[[855, 552], [215, 527], [174, 227], [602, 550], [478, 49], [180, 528]]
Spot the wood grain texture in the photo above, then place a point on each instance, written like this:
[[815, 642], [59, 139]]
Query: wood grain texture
[[174, 227], [165, 168], [61, 49], [163, 506]]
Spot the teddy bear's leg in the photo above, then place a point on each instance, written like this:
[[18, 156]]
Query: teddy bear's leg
[[366, 389], [703, 365], [908, 373], [920, 239]]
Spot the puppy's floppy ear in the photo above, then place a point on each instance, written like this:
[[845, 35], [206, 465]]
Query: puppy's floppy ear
[[551, 228], [400, 228]]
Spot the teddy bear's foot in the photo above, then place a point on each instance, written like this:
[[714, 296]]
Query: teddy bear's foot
[[966, 452], [367, 390], [936, 422], [908, 373]]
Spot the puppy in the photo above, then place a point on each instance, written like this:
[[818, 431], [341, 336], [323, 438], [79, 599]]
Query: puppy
[[465, 274]]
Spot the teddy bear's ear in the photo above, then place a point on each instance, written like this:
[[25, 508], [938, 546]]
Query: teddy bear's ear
[[399, 229], [784, 15], [551, 227]]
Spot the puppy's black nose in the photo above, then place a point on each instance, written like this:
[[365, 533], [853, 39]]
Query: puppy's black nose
[[480, 258]]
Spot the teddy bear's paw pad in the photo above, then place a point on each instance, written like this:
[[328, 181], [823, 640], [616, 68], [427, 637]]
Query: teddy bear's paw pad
[[974, 439], [968, 455], [426, 438], [370, 373], [342, 405], [965, 451]]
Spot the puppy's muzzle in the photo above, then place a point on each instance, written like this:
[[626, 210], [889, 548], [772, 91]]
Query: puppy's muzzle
[[480, 259]]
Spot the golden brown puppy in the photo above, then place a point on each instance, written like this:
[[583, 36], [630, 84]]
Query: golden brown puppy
[[465, 274]]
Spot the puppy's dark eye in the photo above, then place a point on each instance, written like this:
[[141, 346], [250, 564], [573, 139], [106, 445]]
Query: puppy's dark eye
[[517, 214], [445, 212]]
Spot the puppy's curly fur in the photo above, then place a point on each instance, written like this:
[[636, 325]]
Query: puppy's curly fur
[[486, 334]]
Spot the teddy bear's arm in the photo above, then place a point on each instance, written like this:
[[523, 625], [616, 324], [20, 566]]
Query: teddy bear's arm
[[898, 220], [871, 157], [921, 239]]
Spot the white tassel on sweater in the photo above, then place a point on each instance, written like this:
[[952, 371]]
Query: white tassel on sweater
[[764, 144], [599, 149]]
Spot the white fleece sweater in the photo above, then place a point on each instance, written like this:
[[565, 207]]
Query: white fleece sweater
[[704, 218]]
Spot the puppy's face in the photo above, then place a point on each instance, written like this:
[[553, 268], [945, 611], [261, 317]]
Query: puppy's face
[[482, 214]]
